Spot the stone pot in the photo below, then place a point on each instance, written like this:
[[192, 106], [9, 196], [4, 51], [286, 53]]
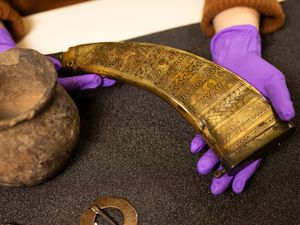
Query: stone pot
[[39, 122]]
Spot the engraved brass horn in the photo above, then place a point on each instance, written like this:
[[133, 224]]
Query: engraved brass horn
[[231, 115]]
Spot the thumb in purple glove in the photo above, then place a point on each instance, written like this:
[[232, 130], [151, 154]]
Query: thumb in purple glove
[[6, 41], [238, 49], [88, 81], [82, 82]]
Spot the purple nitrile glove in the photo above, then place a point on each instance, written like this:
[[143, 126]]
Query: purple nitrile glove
[[82, 82], [238, 49]]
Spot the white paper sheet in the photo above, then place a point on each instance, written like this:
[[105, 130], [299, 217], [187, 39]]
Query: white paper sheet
[[106, 20]]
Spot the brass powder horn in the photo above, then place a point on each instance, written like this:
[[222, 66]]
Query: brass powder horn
[[231, 115]]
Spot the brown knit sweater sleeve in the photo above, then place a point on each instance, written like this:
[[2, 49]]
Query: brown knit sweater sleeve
[[12, 20], [272, 15]]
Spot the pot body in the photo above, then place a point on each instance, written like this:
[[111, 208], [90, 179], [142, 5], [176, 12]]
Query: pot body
[[38, 126]]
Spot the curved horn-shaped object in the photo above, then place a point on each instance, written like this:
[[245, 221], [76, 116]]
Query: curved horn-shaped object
[[231, 115]]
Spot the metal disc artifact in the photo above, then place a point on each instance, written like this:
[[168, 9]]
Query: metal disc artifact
[[130, 216], [231, 115], [88, 217]]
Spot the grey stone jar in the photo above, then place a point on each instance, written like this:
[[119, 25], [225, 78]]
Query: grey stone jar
[[39, 122]]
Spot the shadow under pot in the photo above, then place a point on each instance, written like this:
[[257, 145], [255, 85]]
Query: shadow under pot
[[39, 122]]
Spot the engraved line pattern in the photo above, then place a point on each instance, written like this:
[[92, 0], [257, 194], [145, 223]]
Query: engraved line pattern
[[253, 133], [227, 107], [207, 91], [207, 95], [240, 123]]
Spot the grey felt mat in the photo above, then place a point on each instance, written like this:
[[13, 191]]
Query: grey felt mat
[[133, 145]]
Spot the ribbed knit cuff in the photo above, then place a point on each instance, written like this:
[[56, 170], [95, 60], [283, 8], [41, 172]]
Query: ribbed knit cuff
[[12, 20], [272, 15]]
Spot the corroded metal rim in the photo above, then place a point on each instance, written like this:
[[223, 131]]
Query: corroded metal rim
[[130, 216]]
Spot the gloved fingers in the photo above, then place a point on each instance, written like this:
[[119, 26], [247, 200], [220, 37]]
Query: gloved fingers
[[241, 178], [280, 98], [219, 185], [107, 82], [83, 82], [6, 40], [55, 62], [207, 162], [197, 144]]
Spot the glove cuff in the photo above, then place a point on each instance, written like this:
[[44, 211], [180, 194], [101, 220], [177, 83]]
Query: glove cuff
[[272, 15]]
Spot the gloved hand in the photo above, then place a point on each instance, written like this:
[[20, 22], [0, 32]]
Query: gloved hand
[[238, 49], [82, 82]]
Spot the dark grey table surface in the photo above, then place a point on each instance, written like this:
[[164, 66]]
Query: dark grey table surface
[[134, 145]]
